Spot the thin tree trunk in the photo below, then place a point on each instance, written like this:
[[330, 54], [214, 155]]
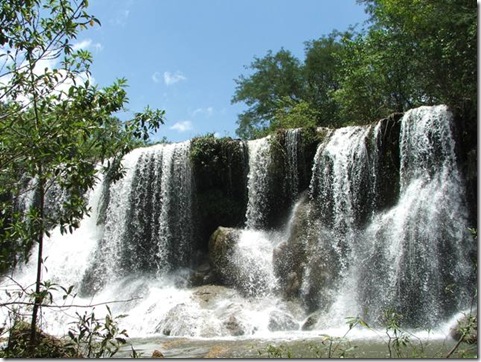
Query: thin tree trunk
[[38, 298], [39, 222]]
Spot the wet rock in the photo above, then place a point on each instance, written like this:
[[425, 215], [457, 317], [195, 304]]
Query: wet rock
[[175, 322], [310, 322], [157, 354], [234, 327], [221, 248], [221, 244], [208, 295], [203, 275], [279, 321]]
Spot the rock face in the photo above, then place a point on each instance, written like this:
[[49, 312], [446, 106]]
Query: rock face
[[290, 257], [295, 261], [219, 170], [221, 246]]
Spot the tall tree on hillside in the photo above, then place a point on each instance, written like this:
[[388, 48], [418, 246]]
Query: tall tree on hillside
[[55, 125]]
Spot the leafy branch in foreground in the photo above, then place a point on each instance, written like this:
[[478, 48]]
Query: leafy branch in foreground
[[93, 337], [89, 335], [55, 127]]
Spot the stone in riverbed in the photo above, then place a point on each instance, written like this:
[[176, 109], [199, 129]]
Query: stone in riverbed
[[279, 321], [157, 354]]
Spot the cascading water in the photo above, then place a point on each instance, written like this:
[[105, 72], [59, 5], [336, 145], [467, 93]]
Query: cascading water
[[148, 222], [377, 229], [258, 182], [293, 141], [414, 257]]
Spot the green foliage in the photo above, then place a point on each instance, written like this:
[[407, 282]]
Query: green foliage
[[89, 336], [321, 72], [46, 347], [412, 53], [328, 346], [55, 126], [93, 337], [397, 337], [275, 76], [294, 114], [394, 343]]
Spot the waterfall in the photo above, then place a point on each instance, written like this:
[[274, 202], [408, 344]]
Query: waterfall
[[378, 222], [414, 257], [293, 142], [148, 223], [258, 182]]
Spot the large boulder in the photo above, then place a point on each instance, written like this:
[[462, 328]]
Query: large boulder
[[290, 257], [221, 248], [280, 321], [307, 259]]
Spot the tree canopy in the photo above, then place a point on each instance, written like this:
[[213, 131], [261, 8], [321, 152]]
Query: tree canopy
[[56, 127], [409, 53]]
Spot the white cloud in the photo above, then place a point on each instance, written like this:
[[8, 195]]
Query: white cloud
[[157, 77], [207, 112], [182, 126], [176, 77], [86, 44]]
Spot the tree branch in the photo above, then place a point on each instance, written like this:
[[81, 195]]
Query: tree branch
[[68, 306]]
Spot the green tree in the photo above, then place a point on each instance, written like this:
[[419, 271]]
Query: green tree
[[374, 78], [294, 114], [321, 72], [275, 76], [55, 126], [282, 88], [413, 53]]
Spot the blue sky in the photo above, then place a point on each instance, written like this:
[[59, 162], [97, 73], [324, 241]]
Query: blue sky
[[182, 56]]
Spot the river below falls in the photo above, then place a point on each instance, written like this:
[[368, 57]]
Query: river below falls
[[319, 346]]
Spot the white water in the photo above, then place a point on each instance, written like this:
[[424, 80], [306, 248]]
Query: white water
[[384, 257], [293, 141], [405, 257], [257, 181]]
